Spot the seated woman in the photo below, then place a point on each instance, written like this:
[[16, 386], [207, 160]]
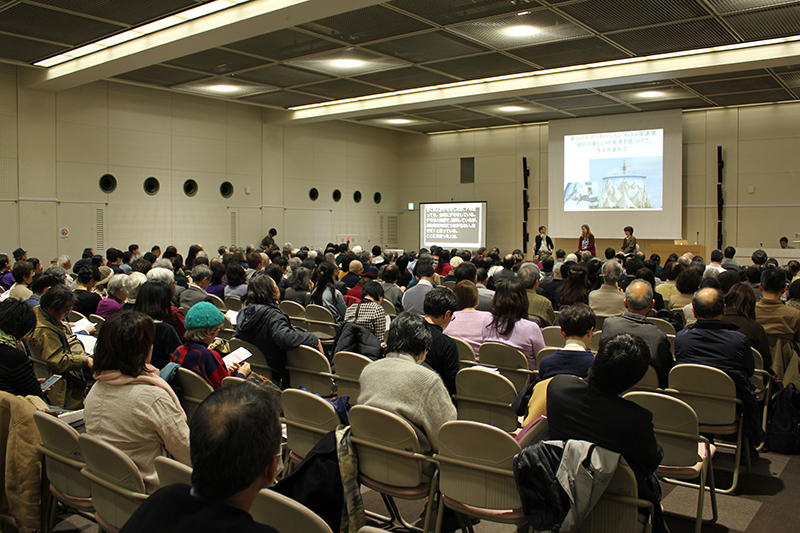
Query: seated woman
[[509, 324], [574, 288], [116, 296], [671, 271], [203, 322], [216, 287], [17, 319], [300, 291], [325, 293], [130, 406], [368, 312], [237, 281], [454, 262], [261, 322], [60, 349], [468, 323], [154, 301], [86, 300], [740, 309], [629, 242], [400, 384], [687, 284]]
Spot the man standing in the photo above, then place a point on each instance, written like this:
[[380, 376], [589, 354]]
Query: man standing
[[538, 305], [608, 299], [414, 298], [442, 358]]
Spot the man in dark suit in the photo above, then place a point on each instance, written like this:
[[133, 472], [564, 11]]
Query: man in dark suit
[[592, 410]]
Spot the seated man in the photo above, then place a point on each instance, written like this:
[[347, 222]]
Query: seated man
[[712, 342], [608, 299], [592, 410], [235, 439], [577, 326], [196, 293], [778, 319], [539, 307], [442, 358]]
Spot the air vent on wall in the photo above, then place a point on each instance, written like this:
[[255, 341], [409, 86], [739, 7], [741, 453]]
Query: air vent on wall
[[233, 228], [100, 230]]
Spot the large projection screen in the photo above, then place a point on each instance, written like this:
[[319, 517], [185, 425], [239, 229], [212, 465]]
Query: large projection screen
[[615, 171], [452, 225]]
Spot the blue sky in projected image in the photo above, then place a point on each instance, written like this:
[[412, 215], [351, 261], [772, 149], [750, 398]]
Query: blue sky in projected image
[[651, 166]]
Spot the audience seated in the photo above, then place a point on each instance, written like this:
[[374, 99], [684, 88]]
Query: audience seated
[[326, 294], [608, 299], [539, 308], [671, 271], [740, 309], [369, 313], [201, 278], [509, 323], [414, 298], [86, 300], [778, 319], [468, 323], [392, 292], [301, 286], [154, 301], [17, 319], [440, 305], [23, 275], [577, 327], [218, 272], [355, 268], [117, 295], [237, 282], [130, 406], [794, 295], [687, 284]]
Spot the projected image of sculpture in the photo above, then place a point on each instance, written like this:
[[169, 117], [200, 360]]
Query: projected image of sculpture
[[624, 191]]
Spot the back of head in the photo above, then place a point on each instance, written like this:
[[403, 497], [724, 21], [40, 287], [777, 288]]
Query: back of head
[[200, 273], [88, 274], [301, 278], [610, 253], [254, 260], [673, 270], [154, 299], [439, 301], [508, 261], [612, 271], [632, 265], [561, 254], [688, 281], [373, 290], [759, 257], [647, 275], [466, 271], [708, 303], [391, 274], [409, 335], [620, 363], [528, 275], [234, 434], [261, 289], [639, 295], [576, 320], [467, 294], [424, 269], [548, 262], [510, 304], [773, 281], [112, 254], [132, 284], [116, 284], [236, 275], [716, 256], [124, 343], [742, 299], [574, 288], [729, 252], [16, 318], [21, 270], [57, 299], [728, 279]]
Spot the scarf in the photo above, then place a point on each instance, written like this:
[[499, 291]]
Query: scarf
[[9, 340], [150, 376]]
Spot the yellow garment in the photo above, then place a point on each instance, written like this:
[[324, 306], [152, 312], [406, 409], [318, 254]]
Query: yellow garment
[[538, 405]]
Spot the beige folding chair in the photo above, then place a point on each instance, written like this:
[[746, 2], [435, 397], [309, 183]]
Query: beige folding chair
[[308, 418], [553, 337], [784, 359], [183, 310], [226, 334], [663, 325], [258, 361], [687, 454], [544, 352], [195, 390], [171, 471], [511, 362], [390, 462], [98, 322], [321, 323], [285, 514], [63, 462], [712, 395], [295, 312], [671, 339], [762, 383], [466, 355], [594, 347], [233, 303], [450, 284], [599, 321], [617, 510], [388, 308], [540, 431], [231, 381], [75, 316], [476, 474], [217, 301], [310, 368], [649, 382], [348, 367], [117, 486], [486, 396], [557, 318], [40, 367]]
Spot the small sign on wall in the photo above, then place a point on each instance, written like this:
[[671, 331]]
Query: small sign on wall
[[63, 234]]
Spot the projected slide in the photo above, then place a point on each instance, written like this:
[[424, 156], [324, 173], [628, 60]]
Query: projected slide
[[615, 170], [453, 225]]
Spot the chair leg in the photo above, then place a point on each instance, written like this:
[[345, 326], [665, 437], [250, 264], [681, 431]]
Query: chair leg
[[439, 516], [701, 492], [431, 496], [712, 492]]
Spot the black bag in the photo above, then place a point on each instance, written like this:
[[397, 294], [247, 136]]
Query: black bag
[[544, 501], [784, 430]]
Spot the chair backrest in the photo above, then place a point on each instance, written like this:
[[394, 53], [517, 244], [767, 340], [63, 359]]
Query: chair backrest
[[388, 308], [671, 339], [552, 337], [450, 284], [98, 322], [348, 367], [757, 359], [557, 315], [476, 465], [485, 396], [171, 471], [388, 448], [309, 367], [64, 458], [511, 362], [233, 303], [617, 510], [544, 352], [538, 432], [292, 309], [595, 344], [710, 392], [117, 486], [599, 321], [285, 514], [40, 368], [320, 321], [230, 381], [466, 354], [258, 361], [663, 325], [649, 382], [308, 418], [75, 316], [195, 390], [217, 301], [675, 424]]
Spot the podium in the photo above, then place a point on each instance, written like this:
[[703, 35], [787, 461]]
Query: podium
[[665, 249]]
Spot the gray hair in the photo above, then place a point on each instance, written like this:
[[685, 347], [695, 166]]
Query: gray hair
[[287, 247], [612, 271], [201, 253], [132, 284], [62, 260], [162, 274], [197, 335], [643, 300], [57, 272], [200, 272], [163, 263], [116, 284], [528, 275], [711, 273]]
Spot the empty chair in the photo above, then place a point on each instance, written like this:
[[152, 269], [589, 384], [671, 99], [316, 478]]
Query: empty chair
[[285, 514], [388, 308], [390, 462], [63, 462], [310, 368], [649, 382], [321, 323], [599, 321], [511, 362], [553, 337], [618, 509], [663, 325], [308, 418], [117, 486], [466, 354], [450, 284], [233, 303], [217, 301], [348, 367], [295, 312], [195, 389], [258, 361], [486, 396], [171, 471]]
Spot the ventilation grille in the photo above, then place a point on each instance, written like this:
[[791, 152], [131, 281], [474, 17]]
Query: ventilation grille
[[392, 223], [233, 228], [100, 230]]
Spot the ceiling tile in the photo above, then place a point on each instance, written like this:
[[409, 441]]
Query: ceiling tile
[[481, 66], [456, 114], [768, 23], [358, 62], [216, 61], [573, 102], [791, 79], [487, 122], [283, 44], [574, 92], [431, 128], [602, 110], [281, 76], [521, 30], [643, 86], [609, 15], [366, 24], [284, 99], [540, 117], [405, 78], [433, 109], [788, 68], [454, 11], [673, 37], [688, 103], [510, 109], [42, 23], [18, 49], [161, 76], [338, 89], [726, 76], [735, 86], [730, 6], [572, 52], [131, 12], [429, 46], [752, 97]]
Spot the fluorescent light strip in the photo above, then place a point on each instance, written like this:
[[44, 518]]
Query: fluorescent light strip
[[624, 61], [140, 31]]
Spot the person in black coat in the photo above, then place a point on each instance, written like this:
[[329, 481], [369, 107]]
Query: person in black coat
[[442, 358], [17, 376], [544, 244]]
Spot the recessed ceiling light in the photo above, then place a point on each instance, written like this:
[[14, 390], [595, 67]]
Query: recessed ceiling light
[[223, 88], [521, 31], [512, 108], [651, 94], [347, 63], [523, 13], [398, 121]]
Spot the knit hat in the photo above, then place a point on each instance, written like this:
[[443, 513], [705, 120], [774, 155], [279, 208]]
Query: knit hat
[[203, 315], [105, 275]]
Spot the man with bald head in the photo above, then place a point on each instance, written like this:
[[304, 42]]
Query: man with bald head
[[638, 303], [353, 274], [712, 342]]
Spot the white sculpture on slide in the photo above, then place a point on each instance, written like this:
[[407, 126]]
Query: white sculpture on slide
[[624, 191]]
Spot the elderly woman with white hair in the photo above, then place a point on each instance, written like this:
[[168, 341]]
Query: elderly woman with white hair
[[117, 295], [174, 318]]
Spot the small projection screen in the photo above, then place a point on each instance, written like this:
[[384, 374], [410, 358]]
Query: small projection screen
[[615, 171], [453, 225]]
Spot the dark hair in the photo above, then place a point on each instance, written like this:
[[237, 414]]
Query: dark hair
[[753, 274], [391, 274], [628, 228], [466, 271], [88, 273], [716, 256], [154, 248], [154, 299], [688, 281], [275, 271], [233, 436], [759, 257], [4, 261], [124, 343], [408, 334], [59, 299], [191, 254], [177, 262], [218, 272], [126, 257], [131, 248], [142, 265], [574, 288], [439, 301], [16, 318], [784, 239], [655, 258], [112, 254], [728, 279], [610, 253], [260, 290], [742, 298], [88, 253], [794, 289], [577, 319], [43, 281], [254, 260], [424, 268], [373, 289], [729, 252], [620, 363], [20, 270], [773, 281], [673, 270], [548, 262], [236, 275], [325, 281], [509, 305], [708, 303], [633, 264], [467, 294]]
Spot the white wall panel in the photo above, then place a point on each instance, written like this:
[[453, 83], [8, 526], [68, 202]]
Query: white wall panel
[[497, 169], [242, 158], [243, 124], [130, 148], [38, 232], [80, 220], [198, 154], [77, 143], [37, 143], [9, 221], [199, 117], [8, 178], [139, 109], [79, 182], [87, 105]]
